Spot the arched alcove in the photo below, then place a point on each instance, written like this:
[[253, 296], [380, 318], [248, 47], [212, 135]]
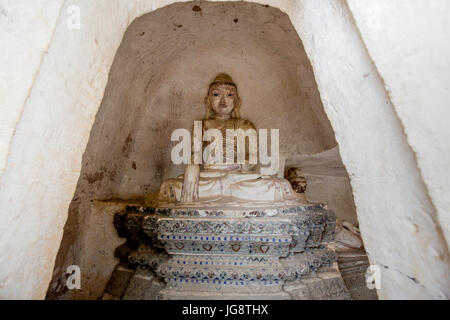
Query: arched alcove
[[402, 223], [159, 79], [157, 84]]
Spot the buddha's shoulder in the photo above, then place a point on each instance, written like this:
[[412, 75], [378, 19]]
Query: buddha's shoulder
[[239, 122], [244, 124], [231, 123], [210, 123]]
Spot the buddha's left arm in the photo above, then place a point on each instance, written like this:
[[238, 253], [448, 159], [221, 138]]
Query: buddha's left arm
[[245, 125]]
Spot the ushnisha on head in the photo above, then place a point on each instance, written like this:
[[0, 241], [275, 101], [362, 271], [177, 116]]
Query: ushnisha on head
[[222, 101]]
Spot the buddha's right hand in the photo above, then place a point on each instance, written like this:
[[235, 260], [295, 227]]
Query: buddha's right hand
[[189, 193]]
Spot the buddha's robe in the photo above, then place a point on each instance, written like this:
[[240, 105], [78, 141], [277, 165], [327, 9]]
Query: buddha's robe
[[230, 181]]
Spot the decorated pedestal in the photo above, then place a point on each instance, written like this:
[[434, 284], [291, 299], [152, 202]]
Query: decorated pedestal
[[229, 253]]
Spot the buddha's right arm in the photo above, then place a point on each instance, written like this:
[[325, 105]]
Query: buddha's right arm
[[189, 192]]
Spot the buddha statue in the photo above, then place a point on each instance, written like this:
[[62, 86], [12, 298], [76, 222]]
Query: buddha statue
[[219, 231], [226, 181]]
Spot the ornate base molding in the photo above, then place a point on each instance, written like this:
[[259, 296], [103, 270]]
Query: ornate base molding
[[234, 253]]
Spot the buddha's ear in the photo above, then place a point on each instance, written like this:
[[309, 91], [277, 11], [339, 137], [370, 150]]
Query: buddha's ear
[[208, 108]]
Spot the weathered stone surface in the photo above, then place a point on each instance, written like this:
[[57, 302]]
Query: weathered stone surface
[[323, 285], [119, 282], [107, 296], [353, 267], [328, 288], [96, 254], [143, 286]]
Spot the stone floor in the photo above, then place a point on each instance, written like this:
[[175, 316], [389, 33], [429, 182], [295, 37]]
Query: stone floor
[[126, 284], [353, 265]]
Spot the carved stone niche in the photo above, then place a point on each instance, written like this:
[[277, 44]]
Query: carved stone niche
[[275, 252]]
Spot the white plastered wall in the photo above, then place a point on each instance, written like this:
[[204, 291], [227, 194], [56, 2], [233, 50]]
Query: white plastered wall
[[412, 54], [49, 125]]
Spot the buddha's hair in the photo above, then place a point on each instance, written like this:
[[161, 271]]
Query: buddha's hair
[[235, 114]]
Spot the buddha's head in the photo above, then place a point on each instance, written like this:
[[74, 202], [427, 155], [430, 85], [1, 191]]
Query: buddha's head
[[222, 102]]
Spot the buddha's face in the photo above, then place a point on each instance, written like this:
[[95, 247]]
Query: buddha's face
[[223, 99]]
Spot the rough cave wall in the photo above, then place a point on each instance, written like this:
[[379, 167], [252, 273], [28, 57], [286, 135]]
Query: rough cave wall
[[157, 84], [400, 181]]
